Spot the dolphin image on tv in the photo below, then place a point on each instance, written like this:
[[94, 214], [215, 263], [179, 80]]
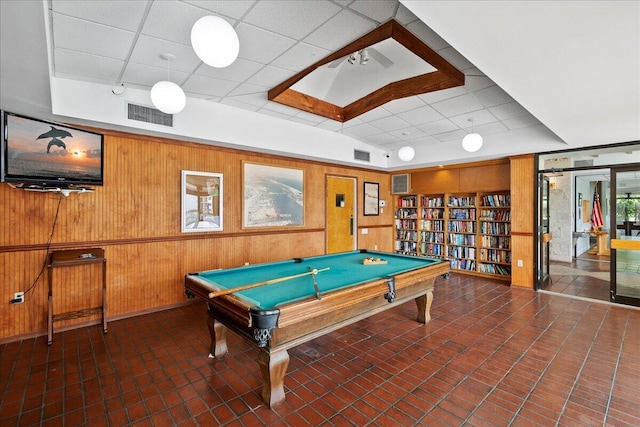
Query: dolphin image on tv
[[55, 133], [55, 141]]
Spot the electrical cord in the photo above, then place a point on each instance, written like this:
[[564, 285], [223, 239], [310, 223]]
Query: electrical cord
[[46, 255]]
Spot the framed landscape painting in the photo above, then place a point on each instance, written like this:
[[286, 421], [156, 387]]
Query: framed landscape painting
[[201, 201], [273, 196]]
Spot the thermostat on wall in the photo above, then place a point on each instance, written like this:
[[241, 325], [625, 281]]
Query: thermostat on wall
[[383, 203]]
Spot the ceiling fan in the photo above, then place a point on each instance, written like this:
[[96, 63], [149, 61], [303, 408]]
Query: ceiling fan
[[365, 55]]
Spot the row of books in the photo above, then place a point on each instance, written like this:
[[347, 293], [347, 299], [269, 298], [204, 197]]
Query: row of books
[[406, 224], [432, 213], [496, 242], [462, 201], [432, 202], [461, 226], [430, 225], [406, 235], [496, 200], [461, 252], [495, 215], [432, 249], [495, 228], [406, 213], [495, 255], [408, 202], [405, 246], [430, 236], [463, 264], [494, 269], [462, 214], [461, 239]]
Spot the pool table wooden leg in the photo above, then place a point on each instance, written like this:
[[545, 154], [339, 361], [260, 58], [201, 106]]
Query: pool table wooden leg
[[273, 366], [424, 307], [218, 333]]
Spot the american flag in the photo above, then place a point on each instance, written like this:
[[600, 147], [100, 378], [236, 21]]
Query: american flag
[[596, 213]]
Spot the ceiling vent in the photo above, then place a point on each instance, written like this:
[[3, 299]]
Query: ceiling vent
[[362, 155], [583, 163], [141, 113]]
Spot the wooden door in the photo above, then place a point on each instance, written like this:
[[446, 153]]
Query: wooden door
[[341, 225]]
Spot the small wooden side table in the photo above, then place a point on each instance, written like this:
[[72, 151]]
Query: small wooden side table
[[76, 257]]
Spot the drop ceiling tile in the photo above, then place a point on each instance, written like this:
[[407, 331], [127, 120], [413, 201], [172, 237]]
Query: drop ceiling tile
[[380, 10], [508, 111], [361, 131], [405, 16], [256, 99], [439, 126], [280, 108], [458, 105], [295, 19], [300, 120], [388, 124], [261, 46], [339, 31], [383, 139], [375, 114], [490, 128], [95, 39], [234, 9], [521, 122], [239, 71], [310, 117], [450, 136], [408, 134], [274, 114], [148, 50], [96, 68], [440, 95], [479, 117], [473, 82], [492, 96], [454, 57], [300, 56], [124, 15], [330, 125], [207, 86], [427, 35], [420, 115], [423, 140], [270, 76], [404, 104], [247, 89], [172, 20], [147, 76], [237, 103]]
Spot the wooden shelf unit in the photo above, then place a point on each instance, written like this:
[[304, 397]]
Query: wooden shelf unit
[[69, 258], [471, 230]]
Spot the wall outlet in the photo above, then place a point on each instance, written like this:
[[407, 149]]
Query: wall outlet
[[520, 264], [18, 298]]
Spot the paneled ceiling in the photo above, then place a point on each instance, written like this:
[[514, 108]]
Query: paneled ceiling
[[120, 42]]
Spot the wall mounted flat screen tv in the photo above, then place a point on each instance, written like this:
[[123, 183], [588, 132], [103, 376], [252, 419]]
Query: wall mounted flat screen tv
[[40, 153]]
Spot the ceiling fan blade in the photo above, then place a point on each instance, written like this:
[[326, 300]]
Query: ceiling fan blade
[[380, 58]]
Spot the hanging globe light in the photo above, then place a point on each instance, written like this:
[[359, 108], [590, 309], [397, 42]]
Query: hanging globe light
[[215, 41]]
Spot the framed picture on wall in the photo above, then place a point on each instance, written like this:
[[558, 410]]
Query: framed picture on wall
[[201, 201], [371, 198], [273, 196]]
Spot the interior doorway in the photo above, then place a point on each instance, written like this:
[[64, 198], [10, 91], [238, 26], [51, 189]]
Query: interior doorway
[[341, 214]]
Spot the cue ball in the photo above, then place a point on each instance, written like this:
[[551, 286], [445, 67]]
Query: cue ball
[[314, 271]]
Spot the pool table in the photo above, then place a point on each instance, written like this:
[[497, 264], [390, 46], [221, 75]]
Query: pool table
[[290, 302]]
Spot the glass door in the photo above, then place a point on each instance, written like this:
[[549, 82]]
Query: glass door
[[544, 236], [625, 241]]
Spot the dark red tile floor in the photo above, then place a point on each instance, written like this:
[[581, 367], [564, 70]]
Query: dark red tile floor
[[491, 356]]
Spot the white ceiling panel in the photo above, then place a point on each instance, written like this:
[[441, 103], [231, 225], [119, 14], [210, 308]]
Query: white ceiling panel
[[294, 19], [239, 71], [233, 9], [146, 75], [124, 15], [205, 85], [420, 115], [261, 46], [340, 30], [96, 39], [458, 105], [300, 56], [98, 68], [437, 127], [145, 52], [492, 96], [173, 20], [270, 76], [378, 10], [508, 111]]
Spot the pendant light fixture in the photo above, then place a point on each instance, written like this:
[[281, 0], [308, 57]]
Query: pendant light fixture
[[215, 41], [406, 153], [167, 96], [472, 142]]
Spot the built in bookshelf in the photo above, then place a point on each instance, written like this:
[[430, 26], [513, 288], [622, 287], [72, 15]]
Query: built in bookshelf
[[471, 230]]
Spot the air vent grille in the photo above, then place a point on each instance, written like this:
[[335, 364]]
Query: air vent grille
[[362, 155], [583, 163], [141, 113]]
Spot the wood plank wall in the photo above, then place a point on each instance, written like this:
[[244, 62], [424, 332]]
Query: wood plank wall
[[135, 217], [522, 220]]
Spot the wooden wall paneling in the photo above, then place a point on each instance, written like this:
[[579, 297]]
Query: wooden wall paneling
[[435, 181], [485, 178], [377, 238], [522, 220]]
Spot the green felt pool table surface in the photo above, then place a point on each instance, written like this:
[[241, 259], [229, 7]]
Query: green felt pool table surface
[[344, 269]]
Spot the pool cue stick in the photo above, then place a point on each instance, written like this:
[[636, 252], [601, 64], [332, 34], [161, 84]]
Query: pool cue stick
[[315, 285], [266, 282]]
